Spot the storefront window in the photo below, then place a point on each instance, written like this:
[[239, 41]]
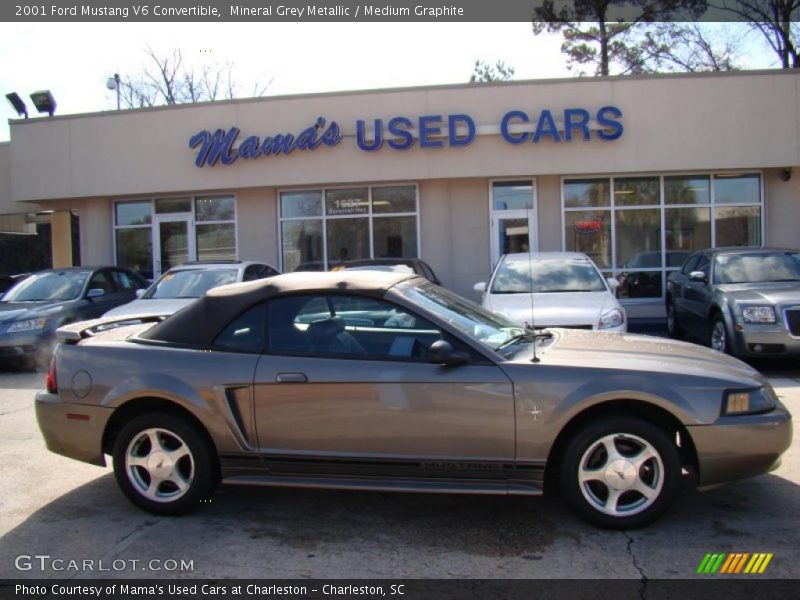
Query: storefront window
[[687, 190], [582, 193], [302, 245], [348, 239], [653, 231], [737, 189], [133, 213], [176, 230], [173, 205], [590, 233], [738, 225], [637, 191], [512, 195], [686, 230], [358, 223]]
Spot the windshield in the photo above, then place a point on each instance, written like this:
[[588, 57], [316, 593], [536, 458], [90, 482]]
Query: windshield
[[757, 268], [189, 283], [53, 286], [549, 276], [486, 327]]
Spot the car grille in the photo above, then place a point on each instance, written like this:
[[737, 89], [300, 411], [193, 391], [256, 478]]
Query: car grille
[[793, 321], [587, 327]]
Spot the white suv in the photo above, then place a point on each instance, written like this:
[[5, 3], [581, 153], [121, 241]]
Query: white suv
[[554, 289]]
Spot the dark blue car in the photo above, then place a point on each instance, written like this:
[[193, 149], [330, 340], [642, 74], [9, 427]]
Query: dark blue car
[[32, 310]]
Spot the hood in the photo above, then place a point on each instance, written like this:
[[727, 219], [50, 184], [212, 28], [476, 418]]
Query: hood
[[150, 306], [633, 352], [16, 311], [768, 293], [560, 309]]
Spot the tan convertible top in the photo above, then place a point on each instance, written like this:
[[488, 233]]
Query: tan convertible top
[[200, 322]]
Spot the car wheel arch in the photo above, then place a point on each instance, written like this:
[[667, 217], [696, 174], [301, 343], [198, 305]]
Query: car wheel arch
[[652, 413], [144, 405]]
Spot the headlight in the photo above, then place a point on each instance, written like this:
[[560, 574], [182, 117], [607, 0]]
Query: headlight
[[28, 325], [758, 314], [748, 402], [613, 318]]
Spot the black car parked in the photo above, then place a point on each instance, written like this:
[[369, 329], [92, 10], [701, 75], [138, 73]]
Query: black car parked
[[32, 310], [743, 301]]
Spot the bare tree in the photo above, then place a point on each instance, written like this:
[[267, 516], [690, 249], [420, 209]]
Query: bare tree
[[688, 47], [167, 80], [484, 72], [777, 20], [606, 32]]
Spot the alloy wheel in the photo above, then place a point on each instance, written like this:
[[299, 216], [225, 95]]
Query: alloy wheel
[[159, 465], [621, 474], [718, 336]]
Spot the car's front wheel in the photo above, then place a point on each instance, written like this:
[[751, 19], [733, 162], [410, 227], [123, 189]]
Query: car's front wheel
[[163, 464], [620, 472], [719, 335], [673, 328]]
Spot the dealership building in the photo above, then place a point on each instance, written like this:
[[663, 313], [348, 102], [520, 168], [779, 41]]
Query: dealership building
[[634, 171]]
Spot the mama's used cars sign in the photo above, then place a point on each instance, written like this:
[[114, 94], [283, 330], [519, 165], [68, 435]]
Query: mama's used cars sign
[[401, 133]]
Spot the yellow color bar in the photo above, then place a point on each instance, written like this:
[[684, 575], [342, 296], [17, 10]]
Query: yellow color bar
[[765, 563]]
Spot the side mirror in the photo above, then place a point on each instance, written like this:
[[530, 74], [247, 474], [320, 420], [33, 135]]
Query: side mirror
[[480, 287], [442, 353], [613, 283], [698, 276], [140, 293], [95, 293]]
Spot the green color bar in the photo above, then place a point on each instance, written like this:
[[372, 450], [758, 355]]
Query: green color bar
[[703, 564], [718, 563]]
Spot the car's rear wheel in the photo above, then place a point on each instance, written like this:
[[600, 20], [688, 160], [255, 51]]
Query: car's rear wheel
[[719, 335], [620, 472], [163, 464]]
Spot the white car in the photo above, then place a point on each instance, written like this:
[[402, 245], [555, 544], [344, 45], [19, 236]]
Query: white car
[[182, 285], [554, 289]]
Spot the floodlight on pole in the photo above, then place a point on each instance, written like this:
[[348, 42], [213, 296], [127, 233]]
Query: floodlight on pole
[[113, 83], [18, 104], [44, 102]]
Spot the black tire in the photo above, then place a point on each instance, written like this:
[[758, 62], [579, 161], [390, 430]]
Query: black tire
[[660, 475], [673, 327], [195, 466], [719, 329]]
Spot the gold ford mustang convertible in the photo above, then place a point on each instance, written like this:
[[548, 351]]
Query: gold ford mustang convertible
[[385, 381]]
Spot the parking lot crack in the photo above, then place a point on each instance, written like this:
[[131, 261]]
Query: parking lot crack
[[11, 412], [642, 577]]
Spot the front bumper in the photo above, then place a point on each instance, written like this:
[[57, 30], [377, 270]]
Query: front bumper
[[13, 345], [764, 340], [741, 446], [72, 430]]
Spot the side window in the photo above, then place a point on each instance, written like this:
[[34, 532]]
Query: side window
[[99, 281], [123, 280], [349, 327], [690, 264], [253, 272], [703, 265], [244, 334]]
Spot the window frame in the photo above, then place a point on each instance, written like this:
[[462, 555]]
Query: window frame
[[323, 217], [614, 270]]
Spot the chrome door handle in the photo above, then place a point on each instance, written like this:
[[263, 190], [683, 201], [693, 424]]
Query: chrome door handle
[[291, 378]]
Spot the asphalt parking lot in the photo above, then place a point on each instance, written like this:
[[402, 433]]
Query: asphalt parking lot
[[67, 510]]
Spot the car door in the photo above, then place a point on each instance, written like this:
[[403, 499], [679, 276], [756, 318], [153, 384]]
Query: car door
[[677, 287], [345, 388], [93, 307], [696, 297]]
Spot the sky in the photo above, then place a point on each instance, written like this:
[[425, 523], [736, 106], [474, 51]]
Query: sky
[[74, 61]]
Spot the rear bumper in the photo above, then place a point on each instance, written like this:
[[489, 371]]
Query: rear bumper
[[742, 446], [72, 430]]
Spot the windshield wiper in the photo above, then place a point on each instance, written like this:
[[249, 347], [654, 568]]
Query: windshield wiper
[[527, 336]]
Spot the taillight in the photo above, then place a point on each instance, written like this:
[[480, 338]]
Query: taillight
[[52, 384]]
